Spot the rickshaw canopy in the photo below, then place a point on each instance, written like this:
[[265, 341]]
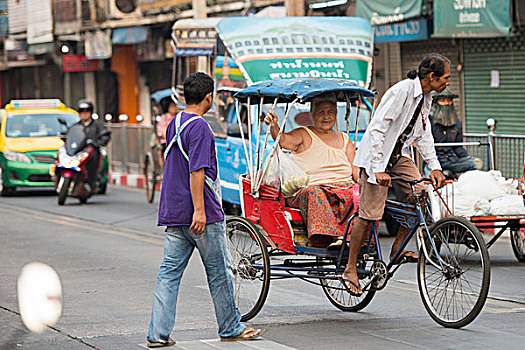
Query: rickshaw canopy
[[302, 89]]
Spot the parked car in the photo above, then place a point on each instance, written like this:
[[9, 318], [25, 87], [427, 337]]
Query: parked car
[[29, 141]]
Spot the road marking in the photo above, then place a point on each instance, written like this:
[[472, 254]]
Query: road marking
[[211, 344], [83, 224]]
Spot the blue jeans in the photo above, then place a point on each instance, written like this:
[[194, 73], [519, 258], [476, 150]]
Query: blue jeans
[[178, 247]]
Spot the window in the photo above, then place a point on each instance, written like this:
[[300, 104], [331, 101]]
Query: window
[[295, 40], [309, 49], [316, 40], [324, 41], [238, 44], [285, 40], [266, 41], [289, 49], [260, 51], [250, 51], [352, 50], [279, 49], [256, 42], [37, 125], [240, 53], [318, 49], [327, 49], [359, 42], [300, 49], [275, 41], [345, 50], [367, 44], [362, 52], [248, 43], [332, 41], [350, 42], [269, 50], [336, 49]]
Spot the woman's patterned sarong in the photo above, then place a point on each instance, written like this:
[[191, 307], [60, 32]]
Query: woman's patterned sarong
[[326, 209]]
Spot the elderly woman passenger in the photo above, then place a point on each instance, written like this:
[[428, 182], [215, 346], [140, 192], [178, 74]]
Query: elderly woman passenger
[[326, 155]]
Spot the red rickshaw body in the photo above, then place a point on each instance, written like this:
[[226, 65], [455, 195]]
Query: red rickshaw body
[[269, 212]]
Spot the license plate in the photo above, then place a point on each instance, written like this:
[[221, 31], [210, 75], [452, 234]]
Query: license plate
[[52, 170]]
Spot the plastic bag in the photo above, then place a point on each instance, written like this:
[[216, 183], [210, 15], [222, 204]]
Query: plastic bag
[[292, 177], [272, 176]]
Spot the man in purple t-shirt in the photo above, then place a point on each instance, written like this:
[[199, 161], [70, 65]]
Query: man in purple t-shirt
[[190, 207]]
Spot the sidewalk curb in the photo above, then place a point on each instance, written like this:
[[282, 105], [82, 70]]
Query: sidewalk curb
[[124, 179]]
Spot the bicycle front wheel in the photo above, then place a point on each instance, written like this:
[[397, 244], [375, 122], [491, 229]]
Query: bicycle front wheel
[[455, 294]]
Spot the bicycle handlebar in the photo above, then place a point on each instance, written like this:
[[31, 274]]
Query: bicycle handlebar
[[411, 182]]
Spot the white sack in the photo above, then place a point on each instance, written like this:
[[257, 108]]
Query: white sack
[[470, 205], [507, 205], [480, 184]]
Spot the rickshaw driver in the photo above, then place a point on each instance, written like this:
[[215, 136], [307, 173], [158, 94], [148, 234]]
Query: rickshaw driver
[[401, 118]]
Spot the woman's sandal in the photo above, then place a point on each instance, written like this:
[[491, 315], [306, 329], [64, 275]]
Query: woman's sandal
[[256, 333], [336, 245], [345, 282]]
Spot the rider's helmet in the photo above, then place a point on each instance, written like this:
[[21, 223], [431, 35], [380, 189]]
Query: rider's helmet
[[84, 106]]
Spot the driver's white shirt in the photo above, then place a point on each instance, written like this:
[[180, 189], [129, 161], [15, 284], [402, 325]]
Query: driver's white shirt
[[390, 119]]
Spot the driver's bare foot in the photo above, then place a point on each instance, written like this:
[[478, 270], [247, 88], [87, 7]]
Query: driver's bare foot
[[407, 254], [351, 281]]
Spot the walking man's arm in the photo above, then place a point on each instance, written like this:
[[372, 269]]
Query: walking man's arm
[[197, 195]]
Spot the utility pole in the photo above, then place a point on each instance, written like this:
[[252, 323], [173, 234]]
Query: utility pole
[[294, 8], [199, 12]]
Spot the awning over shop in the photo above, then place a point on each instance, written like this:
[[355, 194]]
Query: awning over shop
[[130, 35], [468, 19], [193, 51], [387, 11]]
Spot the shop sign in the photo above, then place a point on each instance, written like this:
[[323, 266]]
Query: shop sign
[[387, 11], [297, 47], [97, 45], [405, 31], [471, 18], [130, 36], [79, 63]]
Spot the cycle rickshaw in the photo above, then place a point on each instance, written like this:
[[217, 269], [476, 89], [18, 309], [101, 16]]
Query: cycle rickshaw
[[269, 241]]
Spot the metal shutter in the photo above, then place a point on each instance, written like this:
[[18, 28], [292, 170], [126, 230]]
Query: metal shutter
[[414, 51], [51, 81], [505, 103]]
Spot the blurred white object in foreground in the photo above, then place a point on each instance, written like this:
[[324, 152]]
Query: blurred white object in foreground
[[39, 296]]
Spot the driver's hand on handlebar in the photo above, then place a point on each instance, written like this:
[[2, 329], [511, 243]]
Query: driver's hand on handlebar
[[438, 179], [270, 118], [383, 179]]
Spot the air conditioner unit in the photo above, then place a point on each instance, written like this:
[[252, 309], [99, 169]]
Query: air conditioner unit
[[120, 9]]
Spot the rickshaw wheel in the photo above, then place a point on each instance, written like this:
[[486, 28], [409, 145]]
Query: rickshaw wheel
[[150, 177], [455, 294], [250, 264], [341, 299], [517, 239]]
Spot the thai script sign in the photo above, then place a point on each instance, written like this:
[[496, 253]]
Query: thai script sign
[[471, 18], [405, 31], [79, 63], [387, 11], [292, 47]]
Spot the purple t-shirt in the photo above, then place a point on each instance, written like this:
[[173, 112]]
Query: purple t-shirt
[[176, 205]]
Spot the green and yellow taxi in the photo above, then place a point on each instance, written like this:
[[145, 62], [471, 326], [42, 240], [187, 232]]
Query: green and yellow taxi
[[29, 141]]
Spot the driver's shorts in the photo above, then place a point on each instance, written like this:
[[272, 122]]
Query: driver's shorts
[[372, 197]]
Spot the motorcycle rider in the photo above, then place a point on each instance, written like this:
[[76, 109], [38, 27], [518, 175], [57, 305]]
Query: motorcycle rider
[[92, 128]]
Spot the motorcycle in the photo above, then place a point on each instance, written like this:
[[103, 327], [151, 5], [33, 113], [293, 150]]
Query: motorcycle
[[70, 168]]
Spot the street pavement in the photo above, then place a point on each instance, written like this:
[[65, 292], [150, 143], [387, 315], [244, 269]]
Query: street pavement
[[107, 254]]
